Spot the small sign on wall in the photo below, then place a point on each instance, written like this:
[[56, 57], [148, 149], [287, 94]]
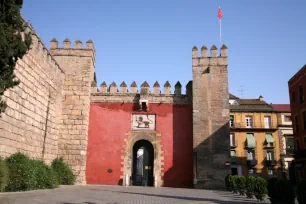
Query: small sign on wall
[[143, 122]]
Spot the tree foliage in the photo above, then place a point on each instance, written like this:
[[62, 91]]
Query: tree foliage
[[14, 43]]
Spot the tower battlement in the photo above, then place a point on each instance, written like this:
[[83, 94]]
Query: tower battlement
[[204, 60], [78, 49], [213, 52]]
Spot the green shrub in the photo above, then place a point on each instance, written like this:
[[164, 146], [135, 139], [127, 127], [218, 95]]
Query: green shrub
[[250, 186], [234, 183], [54, 178], [241, 184], [228, 182], [4, 174], [45, 177], [21, 173], [301, 192], [271, 187], [27, 174], [284, 191], [260, 188], [63, 172]]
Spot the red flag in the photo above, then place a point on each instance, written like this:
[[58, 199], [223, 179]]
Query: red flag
[[220, 13]]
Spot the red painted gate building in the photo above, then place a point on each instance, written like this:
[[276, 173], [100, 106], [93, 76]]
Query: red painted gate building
[[188, 132]]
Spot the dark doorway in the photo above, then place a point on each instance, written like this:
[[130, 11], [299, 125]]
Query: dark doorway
[[143, 161], [234, 171]]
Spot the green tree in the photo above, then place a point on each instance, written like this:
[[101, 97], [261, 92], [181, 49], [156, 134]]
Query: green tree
[[14, 43]]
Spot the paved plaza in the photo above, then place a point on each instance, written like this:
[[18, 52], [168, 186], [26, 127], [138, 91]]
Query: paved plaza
[[92, 194]]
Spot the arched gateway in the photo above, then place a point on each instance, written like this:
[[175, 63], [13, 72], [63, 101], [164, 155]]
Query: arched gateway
[[143, 163], [142, 159]]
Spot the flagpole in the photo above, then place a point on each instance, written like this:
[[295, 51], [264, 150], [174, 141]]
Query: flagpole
[[220, 34], [220, 17]]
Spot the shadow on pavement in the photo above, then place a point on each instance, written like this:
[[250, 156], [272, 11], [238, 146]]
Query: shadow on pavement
[[238, 201], [81, 203]]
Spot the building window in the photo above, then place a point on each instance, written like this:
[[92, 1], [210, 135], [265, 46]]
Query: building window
[[248, 121], [233, 156], [144, 106], [252, 172], [269, 144], [232, 139], [270, 172], [293, 96], [251, 155], [296, 118], [290, 145], [269, 140], [301, 94], [304, 119], [269, 155], [287, 118], [267, 120], [232, 120], [250, 141]]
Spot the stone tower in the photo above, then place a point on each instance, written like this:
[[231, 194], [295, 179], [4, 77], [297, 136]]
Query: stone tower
[[78, 64], [210, 117]]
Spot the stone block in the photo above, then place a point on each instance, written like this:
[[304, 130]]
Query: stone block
[[76, 112]]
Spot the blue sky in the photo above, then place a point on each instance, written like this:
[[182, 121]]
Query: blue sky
[[152, 40]]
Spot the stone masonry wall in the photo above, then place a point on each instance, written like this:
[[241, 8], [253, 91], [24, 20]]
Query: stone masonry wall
[[78, 64], [210, 117], [30, 123]]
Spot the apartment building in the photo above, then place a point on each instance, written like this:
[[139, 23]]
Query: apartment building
[[297, 86], [286, 139], [254, 140]]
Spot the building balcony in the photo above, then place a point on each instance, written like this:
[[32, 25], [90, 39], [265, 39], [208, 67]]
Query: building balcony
[[252, 162], [271, 162], [233, 160], [269, 146], [253, 125]]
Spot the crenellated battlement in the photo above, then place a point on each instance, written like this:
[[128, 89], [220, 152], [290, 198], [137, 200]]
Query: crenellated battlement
[[77, 50], [205, 63], [43, 57], [67, 44], [144, 89], [213, 52]]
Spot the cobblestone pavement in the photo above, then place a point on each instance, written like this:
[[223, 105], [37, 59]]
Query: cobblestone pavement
[[93, 194]]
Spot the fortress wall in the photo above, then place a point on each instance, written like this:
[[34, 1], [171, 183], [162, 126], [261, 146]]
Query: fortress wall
[[30, 123]]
